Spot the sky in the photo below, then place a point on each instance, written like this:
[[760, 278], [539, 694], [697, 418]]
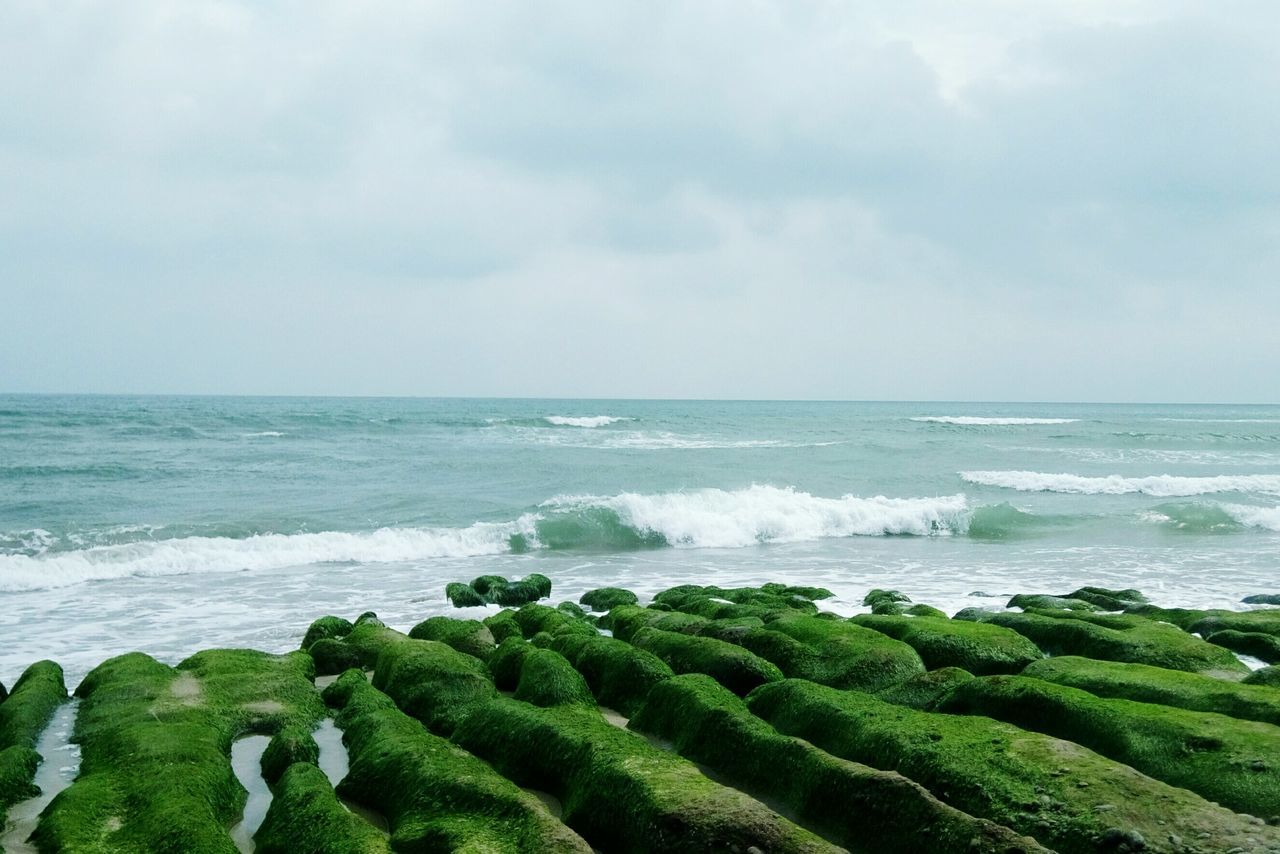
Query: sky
[[988, 200]]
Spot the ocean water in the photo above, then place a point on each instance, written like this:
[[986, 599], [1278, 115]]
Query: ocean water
[[172, 524]]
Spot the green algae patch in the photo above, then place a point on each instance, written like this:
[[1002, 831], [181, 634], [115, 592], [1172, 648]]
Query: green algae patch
[[980, 648], [548, 679], [834, 652], [1119, 637], [4, 693], [626, 620], [507, 661], [290, 745], [1256, 644], [607, 598], [1203, 622], [306, 817], [1233, 762], [1065, 795], [926, 611], [1147, 684], [738, 669], [435, 795], [861, 808], [1050, 602], [1266, 676], [533, 619], [432, 681], [470, 636], [924, 690], [497, 590], [503, 625], [23, 716], [1108, 599], [463, 596], [619, 791], [618, 674], [156, 774], [328, 626]]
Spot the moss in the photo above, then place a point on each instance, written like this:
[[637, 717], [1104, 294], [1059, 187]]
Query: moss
[[878, 595], [23, 717], [1266, 676], [1023, 780], [333, 655], [470, 636], [1266, 620], [155, 740], [1262, 599], [548, 679], [1108, 599], [606, 598], [306, 817], [4, 693], [506, 662], [617, 790], [1233, 762], [847, 802], [1256, 644], [626, 620], [736, 668], [359, 649], [1119, 637], [836, 653], [290, 745], [718, 602], [924, 690], [434, 795], [574, 610], [977, 647], [519, 592], [463, 595], [1044, 600], [810, 593], [533, 618], [432, 681], [503, 625], [326, 627], [486, 584], [1148, 684], [925, 611], [619, 675]]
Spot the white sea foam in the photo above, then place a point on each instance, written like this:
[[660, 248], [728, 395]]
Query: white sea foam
[[589, 421], [716, 518], [1163, 485], [265, 434], [974, 421], [1267, 518]]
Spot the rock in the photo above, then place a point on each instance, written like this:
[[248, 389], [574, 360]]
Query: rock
[[736, 668], [432, 681], [924, 690], [503, 625], [306, 816], [289, 746], [979, 648], [925, 611], [470, 636], [462, 595], [607, 598], [619, 675], [548, 679], [1266, 676], [1041, 600], [36, 695], [326, 627], [1262, 599], [1107, 599], [1256, 644]]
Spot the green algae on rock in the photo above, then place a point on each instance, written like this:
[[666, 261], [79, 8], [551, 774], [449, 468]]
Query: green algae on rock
[[607, 598], [738, 669], [1266, 676], [1108, 599], [470, 636], [156, 772], [548, 679], [1047, 601], [1259, 645], [435, 795], [924, 690], [861, 808], [503, 625], [619, 675], [23, 716], [1232, 762], [1119, 637], [432, 681], [291, 745], [534, 618], [1066, 796], [834, 652], [328, 626], [495, 589], [980, 648], [1203, 622], [306, 817], [619, 791], [1148, 684]]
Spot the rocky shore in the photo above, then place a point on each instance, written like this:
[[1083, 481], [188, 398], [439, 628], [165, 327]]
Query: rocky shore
[[707, 720]]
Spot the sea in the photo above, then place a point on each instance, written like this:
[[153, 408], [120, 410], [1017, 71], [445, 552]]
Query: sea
[[174, 524]]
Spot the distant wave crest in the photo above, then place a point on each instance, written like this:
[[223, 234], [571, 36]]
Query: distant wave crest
[[1163, 485], [588, 421], [974, 421]]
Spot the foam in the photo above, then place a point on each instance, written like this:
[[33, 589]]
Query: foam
[[1163, 485], [1267, 518], [974, 421], [587, 421]]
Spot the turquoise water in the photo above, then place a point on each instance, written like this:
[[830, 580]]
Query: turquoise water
[[173, 523]]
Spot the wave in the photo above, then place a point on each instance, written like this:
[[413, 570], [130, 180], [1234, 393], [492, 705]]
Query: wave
[[588, 421], [1267, 518], [974, 421], [265, 434], [1214, 518], [707, 518], [1163, 485]]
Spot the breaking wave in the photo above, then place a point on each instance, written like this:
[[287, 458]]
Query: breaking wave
[[1163, 485], [589, 421], [974, 421], [1214, 518]]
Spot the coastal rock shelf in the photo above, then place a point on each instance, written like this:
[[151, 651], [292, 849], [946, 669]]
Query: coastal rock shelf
[[706, 720]]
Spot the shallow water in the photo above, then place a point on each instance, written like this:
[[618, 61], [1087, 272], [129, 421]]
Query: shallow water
[[58, 769], [246, 762]]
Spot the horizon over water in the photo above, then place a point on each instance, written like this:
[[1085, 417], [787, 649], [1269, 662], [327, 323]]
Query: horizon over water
[[176, 523]]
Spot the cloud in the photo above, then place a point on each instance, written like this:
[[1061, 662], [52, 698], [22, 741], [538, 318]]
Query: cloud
[[1004, 200]]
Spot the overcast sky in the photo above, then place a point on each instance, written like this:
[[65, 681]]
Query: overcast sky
[[989, 200]]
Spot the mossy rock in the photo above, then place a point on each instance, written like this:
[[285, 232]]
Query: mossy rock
[[1120, 637], [155, 740], [1108, 599], [721, 602], [617, 790], [326, 627], [1027, 781], [463, 595], [1203, 622], [847, 802], [533, 618], [811, 593], [924, 690], [507, 661], [834, 652], [877, 595], [496, 589], [432, 682], [548, 679], [1262, 599], [1048, 601], [607, 598], [18, 764], [979, 648], [360, 648], [434, 795], [37, 694], [618, 674], [503, 625], [1232, 762], [626, 620], [470, 636], [306, 817], [1147, 684], [1256, 644], [290, 745], [736, 668], [1266, 676], [925, 611], [4, 693], [334, 655]]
